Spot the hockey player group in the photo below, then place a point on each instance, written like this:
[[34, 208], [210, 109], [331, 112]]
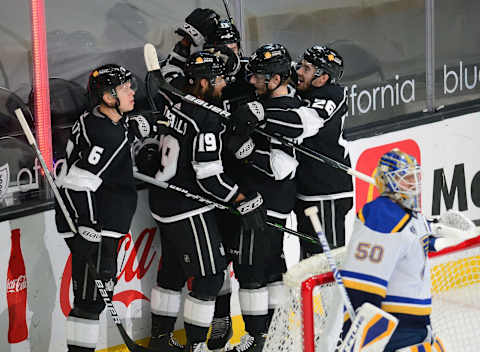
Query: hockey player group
[[259, 177]]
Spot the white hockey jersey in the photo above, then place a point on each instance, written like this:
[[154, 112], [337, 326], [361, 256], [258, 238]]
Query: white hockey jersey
[[387, 262]]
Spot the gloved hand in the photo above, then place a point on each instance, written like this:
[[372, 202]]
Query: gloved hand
[[253, 213], [201, 23], [246, 118], [139, 126], [86, 242], [241, 146], [148, 157]]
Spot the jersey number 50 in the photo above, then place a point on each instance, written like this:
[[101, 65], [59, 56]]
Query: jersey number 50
[[367, 251]]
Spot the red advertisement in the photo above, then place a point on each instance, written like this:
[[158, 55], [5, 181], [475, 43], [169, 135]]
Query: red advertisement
[[367, 163], [16, 292]]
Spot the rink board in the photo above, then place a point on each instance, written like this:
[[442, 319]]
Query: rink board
[[448, 148]]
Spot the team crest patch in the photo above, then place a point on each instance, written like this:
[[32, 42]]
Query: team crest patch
[[413, 230], [4, 179]]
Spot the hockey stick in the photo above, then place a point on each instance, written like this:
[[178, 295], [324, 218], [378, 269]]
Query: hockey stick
[[186, 193], [153, 67], [131, 345], [228, 11], [312, 213]]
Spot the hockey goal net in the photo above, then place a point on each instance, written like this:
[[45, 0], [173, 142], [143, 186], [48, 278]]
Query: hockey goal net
[[311, 317]]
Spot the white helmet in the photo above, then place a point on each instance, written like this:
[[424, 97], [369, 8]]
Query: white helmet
[[398, 176]]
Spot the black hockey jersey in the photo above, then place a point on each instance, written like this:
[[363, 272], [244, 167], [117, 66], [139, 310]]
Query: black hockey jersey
[[272, 165], [314, 177], [191, 159], [99, 171], [238, 92]]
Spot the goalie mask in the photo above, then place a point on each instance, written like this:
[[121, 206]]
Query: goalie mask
[[398, 176], [105, 79], [326, 60]]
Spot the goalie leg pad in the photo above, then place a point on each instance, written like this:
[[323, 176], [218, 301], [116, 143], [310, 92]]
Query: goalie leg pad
[[370, 331], [435, 346]]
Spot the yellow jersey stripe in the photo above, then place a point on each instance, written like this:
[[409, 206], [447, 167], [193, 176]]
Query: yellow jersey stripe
[[360, 215], [401, 223], [406, 309], [382, 292]]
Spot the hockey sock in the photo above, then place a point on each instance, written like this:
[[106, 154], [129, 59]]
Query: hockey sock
[[256, 324], [162, 324], [222, 306]]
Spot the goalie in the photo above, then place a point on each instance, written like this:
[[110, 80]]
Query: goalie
[[387, 257]]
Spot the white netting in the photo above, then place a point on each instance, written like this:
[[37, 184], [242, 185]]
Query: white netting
[[286, 330], [456, 299], [455, 303]]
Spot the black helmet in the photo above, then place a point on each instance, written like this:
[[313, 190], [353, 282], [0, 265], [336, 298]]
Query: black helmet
[[104, 79], [226, 33], [270, 59], [204, 64], [326, 60]]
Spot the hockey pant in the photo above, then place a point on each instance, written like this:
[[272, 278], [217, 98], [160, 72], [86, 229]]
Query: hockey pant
[[191, 248], [83, 320], [259, 265], [332, 214]]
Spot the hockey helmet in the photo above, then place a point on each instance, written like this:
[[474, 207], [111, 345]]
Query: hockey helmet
[[398, 175], [326, 60], [226, 33], [105, 79], [270, 59], [204, 64]]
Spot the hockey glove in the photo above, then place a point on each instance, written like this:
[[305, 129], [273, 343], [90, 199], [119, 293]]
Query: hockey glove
[[139, 126], [85, 243], [200, 24], [253, 213], [241, 146], [247, 117], [148, 157]]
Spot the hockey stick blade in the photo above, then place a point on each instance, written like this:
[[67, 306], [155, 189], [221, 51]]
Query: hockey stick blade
[[151, 62], [131, 345]]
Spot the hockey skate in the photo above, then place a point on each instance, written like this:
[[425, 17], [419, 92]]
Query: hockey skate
[[250, 343], [165, 343], [221, 333], [196, 347]]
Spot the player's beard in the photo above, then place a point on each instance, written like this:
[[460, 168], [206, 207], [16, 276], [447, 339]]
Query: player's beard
[[212, 98]]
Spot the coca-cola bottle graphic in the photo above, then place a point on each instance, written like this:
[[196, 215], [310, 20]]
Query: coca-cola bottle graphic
[[16, 292]]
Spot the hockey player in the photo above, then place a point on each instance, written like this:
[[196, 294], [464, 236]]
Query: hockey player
[[218, 35], [190, 157], [238, 91], [198, 26], [387, 257], [98, 187], [271, 169], [320, 185]]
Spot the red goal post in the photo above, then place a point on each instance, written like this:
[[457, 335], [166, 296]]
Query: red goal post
[[311, 317]]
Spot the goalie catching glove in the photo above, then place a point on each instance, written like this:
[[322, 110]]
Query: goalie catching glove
[[199, 25], [451, 229], [252, 211]]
